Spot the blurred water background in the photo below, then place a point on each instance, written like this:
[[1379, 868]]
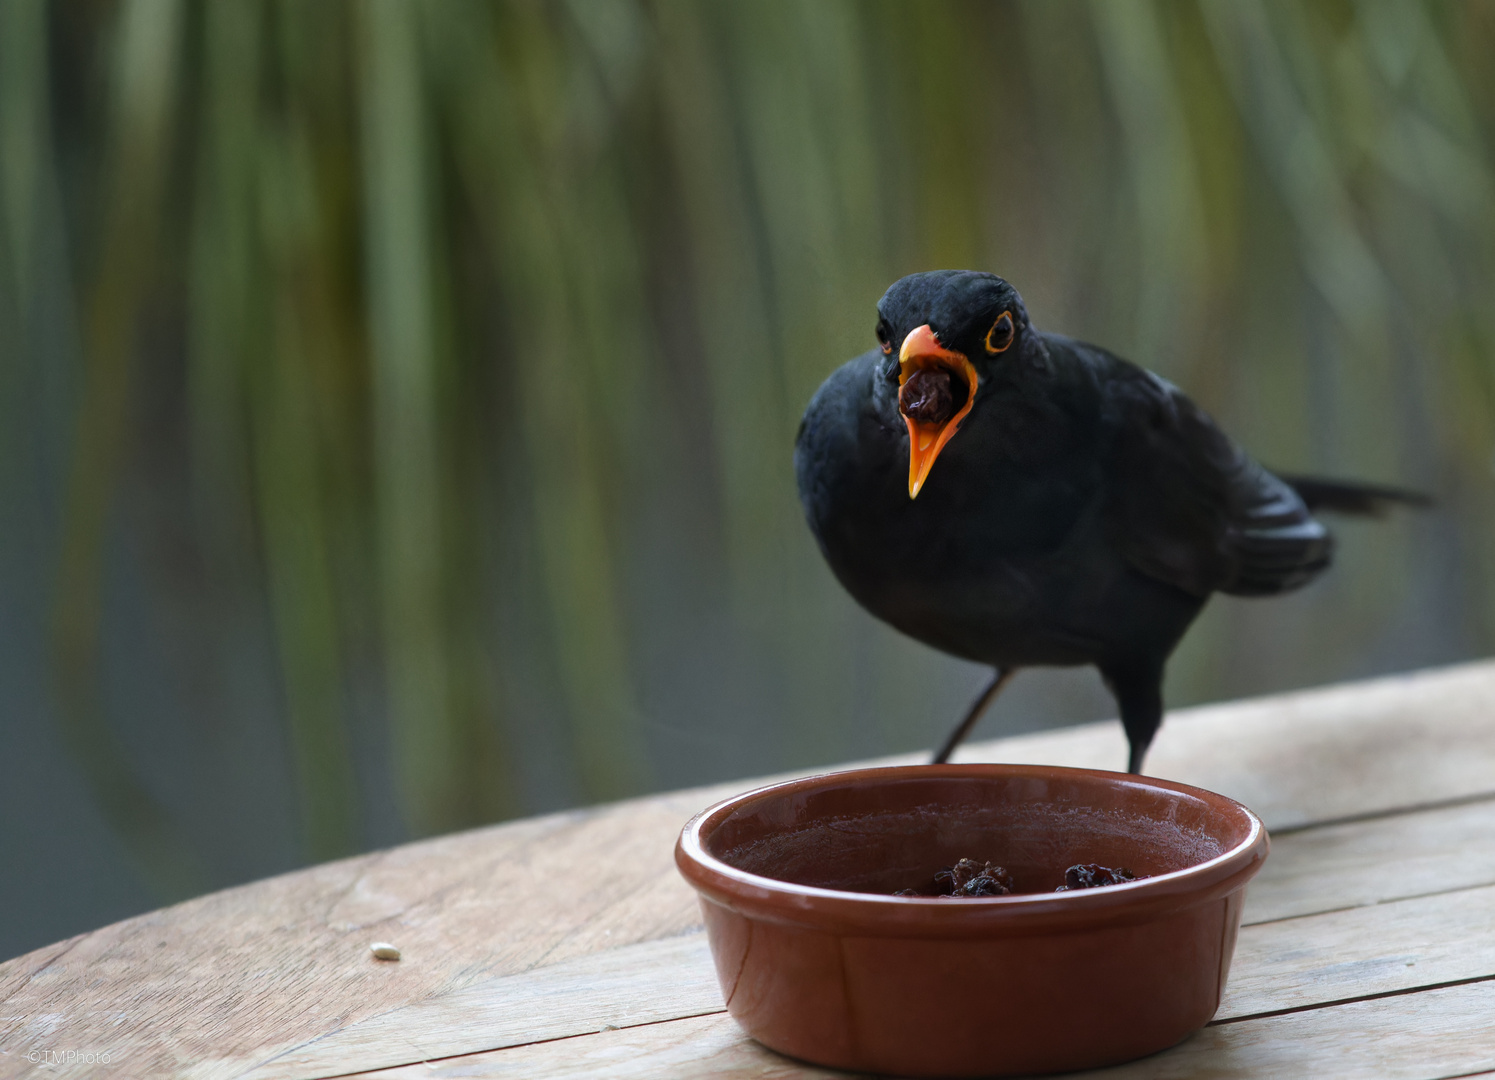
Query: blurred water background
[[397, 399]]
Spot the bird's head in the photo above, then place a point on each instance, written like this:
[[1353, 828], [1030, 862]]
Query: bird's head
[[947, 334]]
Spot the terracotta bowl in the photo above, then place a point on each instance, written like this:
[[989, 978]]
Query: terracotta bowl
[[818, 961]]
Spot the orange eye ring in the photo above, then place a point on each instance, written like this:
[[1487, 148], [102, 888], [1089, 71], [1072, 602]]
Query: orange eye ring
[[1000, 336]]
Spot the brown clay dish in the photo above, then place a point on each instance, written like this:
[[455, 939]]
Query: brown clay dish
[[819, 961]]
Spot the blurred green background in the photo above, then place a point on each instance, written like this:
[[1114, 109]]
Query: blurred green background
[[397, 398]]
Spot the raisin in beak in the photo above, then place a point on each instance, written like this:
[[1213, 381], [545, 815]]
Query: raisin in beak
[[936, 388]]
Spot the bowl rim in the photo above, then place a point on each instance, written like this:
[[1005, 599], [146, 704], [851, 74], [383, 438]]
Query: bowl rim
[[875, 914]]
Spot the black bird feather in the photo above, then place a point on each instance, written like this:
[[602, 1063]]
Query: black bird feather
[[1082, 512], [1342, 497]]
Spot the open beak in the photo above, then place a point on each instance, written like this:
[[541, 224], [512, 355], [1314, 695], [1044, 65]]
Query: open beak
[[922, 350]]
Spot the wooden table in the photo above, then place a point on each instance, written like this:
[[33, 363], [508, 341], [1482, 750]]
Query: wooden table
[[567, 946]]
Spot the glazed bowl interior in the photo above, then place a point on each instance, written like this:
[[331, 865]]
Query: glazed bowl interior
[[879, 831]]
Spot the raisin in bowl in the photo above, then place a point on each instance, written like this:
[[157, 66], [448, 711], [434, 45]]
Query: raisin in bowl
[[819, 959]]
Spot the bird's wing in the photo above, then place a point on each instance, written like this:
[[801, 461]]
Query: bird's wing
[[1192, 509]]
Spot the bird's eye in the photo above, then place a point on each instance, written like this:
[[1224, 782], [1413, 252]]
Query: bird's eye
[[1000, 334], [885, 336]]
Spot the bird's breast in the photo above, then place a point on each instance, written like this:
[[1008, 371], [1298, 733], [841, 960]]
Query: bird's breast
[[969, 565]]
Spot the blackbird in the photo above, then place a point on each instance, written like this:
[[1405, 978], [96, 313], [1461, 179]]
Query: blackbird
[[1083, 510]]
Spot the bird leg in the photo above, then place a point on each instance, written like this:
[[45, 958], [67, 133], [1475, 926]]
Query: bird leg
[[1139, 696], [999, 680]]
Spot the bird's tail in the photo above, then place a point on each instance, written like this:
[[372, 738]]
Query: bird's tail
[[1344, 497]]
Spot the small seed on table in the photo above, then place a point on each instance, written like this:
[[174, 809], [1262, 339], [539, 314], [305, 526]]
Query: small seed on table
[[383, 950]]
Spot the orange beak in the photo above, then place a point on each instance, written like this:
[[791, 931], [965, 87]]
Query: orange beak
[[921, 349]]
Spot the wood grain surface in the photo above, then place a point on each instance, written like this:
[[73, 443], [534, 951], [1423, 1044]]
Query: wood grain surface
[[705, 1046], [1343, 953], [214, 986], [1370, 862], [620, 988], [1382, 949], [1283, 965], [1440, 1033], [275, 979], [1379, 746]]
